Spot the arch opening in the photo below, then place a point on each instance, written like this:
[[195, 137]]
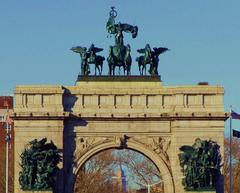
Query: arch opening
[[165, 172], [119, 171]]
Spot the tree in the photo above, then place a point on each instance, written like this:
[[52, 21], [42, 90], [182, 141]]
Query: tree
[[235, 164], [96, 174], [2, 172], [99, 173], [141, 170]]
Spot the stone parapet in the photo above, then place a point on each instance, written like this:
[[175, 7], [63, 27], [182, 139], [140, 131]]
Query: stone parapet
[[38, 98], [118, 97], [140, 98]]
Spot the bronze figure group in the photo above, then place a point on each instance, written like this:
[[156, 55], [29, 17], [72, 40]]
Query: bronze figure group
[[149, 57], [39, 165], [201, 164], [119, 54], [89, 57]]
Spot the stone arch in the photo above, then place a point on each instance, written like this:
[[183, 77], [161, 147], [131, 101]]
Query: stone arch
[[167, 177]]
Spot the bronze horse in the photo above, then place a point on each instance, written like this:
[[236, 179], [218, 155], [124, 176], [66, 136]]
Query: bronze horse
[[89, 57], [119, 56], [96, 59], [149, 57]]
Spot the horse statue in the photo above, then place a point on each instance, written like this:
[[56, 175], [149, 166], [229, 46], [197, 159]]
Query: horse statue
[[149, 57], [119, 58], [119, 54], [145, 59], [96, 59], [89, 57]]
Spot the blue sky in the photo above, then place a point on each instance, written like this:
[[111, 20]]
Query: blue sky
[[203, 37]]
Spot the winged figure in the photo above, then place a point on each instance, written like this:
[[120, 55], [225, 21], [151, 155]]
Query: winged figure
[[149, 57], [155, 60], [85, 69]]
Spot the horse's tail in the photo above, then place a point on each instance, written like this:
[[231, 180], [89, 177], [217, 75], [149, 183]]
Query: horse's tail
[[137, 59]]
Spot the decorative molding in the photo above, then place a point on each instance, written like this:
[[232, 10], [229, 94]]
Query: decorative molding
[[84, 144]]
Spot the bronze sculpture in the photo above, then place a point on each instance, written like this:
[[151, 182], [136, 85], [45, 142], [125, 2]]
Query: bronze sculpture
[[96, 59], [85, 69], [201, 164], [120, 60], [89, 57], [117, 29], [39, 165], [149, 57], [119, 54]]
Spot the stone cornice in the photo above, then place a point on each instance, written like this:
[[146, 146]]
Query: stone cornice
[[39, 89], [39, 115], [122, 116]]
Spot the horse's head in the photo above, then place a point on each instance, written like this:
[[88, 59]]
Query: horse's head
[[147, 47]]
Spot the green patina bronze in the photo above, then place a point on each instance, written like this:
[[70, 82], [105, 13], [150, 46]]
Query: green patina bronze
[[89, 57], [149, 57], [119, 54], [200, 165], [39, 165]]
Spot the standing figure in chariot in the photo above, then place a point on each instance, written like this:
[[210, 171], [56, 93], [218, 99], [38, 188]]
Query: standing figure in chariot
[[119, 54]]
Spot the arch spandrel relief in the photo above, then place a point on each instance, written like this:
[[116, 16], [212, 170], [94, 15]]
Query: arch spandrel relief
[[159, 145]]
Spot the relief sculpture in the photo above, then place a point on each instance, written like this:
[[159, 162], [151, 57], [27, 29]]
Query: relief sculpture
[[161, 145]]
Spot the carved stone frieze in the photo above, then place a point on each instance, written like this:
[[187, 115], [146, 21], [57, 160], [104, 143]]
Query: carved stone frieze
[[84, 144], [160, 145]]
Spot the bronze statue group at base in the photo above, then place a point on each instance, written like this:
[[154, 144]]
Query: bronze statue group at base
[[39, 162], [201, 164], [119, 54]]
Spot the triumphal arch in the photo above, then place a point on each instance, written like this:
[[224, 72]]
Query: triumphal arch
[[117, 111]]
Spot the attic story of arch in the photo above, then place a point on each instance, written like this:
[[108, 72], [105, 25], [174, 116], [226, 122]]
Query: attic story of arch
[[119, 54]]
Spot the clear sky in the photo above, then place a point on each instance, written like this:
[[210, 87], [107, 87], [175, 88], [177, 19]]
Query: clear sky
[[204, 38]]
